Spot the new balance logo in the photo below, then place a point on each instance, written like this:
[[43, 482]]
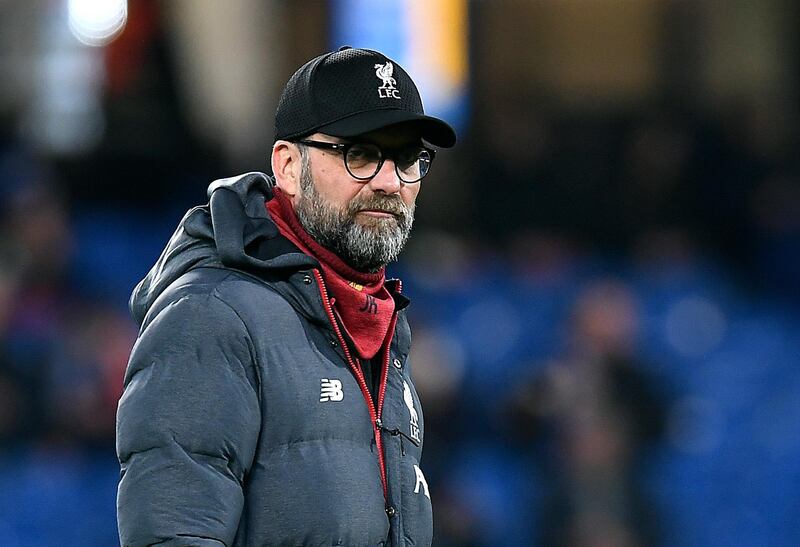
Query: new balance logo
[[330, 390], [370, 306]]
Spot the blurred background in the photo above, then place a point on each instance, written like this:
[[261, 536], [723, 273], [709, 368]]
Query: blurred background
[[605, 272]]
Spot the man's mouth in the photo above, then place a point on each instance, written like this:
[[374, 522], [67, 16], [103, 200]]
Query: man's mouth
[[378, 213]]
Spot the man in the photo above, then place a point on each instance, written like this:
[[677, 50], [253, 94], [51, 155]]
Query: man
[[268, 398]]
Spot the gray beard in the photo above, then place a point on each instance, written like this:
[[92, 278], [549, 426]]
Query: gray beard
[[366, 247]]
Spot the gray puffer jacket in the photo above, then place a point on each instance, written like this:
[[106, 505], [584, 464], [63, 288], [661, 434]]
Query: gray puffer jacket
[[244, 419]]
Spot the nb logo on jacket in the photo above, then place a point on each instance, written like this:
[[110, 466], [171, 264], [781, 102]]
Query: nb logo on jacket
[[330, 390]]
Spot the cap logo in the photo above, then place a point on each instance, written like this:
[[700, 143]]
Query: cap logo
[[387, 89]]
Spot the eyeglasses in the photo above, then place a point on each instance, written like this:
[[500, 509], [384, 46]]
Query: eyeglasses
[[364, 160]]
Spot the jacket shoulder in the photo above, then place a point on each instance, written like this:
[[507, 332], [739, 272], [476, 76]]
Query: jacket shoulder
[[188, 421], [231, 288]]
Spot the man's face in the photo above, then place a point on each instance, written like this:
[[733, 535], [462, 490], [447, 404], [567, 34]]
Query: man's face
[[365, 223]]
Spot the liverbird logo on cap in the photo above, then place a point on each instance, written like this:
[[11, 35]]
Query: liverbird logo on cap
[[387, 89]]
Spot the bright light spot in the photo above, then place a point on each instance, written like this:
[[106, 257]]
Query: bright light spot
[[97, 22], [695, 326]]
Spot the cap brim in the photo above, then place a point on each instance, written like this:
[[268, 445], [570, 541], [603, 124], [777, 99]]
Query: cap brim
[[433, 130]]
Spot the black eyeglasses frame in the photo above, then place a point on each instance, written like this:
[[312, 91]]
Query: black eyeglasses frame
[[344, 148]]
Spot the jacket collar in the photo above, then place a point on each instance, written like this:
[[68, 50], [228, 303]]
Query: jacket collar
[[234, 231]]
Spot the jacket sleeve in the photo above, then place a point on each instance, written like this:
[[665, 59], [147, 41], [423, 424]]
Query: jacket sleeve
[[187, 427]]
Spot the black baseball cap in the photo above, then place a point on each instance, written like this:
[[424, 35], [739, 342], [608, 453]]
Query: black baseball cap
[[352, 91]]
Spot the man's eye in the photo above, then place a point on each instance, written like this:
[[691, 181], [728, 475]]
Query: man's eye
[[363, 154], [407, 157], [355, 153]]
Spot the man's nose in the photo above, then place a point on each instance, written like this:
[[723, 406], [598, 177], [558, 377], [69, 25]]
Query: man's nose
[[386, 179]]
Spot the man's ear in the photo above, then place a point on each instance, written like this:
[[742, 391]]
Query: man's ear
[[286, 166]]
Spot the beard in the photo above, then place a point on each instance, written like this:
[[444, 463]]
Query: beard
[[366, 246]]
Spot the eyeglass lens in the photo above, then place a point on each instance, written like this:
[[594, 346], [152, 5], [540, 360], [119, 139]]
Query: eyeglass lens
[[411, 164]]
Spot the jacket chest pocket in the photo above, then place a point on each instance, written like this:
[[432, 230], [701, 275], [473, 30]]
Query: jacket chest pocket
[[403, 415]]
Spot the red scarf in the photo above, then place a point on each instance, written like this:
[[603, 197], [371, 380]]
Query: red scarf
[[360, 299]]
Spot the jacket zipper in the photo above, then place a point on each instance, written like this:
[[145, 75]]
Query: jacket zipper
[[375, 414], [385, 369]]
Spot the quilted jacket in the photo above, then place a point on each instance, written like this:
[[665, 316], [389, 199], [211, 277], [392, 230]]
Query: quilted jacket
[[244, 419]]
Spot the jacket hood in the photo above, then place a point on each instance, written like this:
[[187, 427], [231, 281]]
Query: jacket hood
[[230, 231]]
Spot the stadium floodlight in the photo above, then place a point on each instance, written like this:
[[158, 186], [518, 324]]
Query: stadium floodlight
[[97, 22]]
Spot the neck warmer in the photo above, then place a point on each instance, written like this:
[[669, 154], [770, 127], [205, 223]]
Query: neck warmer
[[362, 302]]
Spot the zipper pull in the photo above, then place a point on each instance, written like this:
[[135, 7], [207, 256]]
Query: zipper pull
[[394, 432], [413, 441]]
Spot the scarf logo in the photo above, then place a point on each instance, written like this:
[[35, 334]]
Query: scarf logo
[[370, 305]]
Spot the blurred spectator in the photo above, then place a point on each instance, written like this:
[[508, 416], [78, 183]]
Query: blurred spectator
[[36, 249], [85, 379], [61, 359], [595, 410], [438, 367], [15, 394], [39, 234]]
